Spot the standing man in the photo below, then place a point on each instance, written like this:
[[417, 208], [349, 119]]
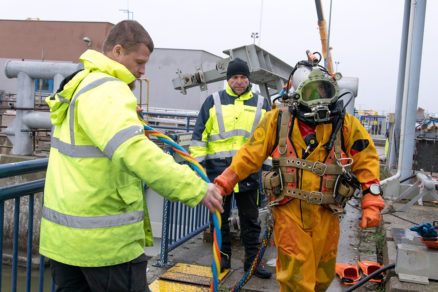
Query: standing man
[[320, 156], [95, 222], [225, 122]]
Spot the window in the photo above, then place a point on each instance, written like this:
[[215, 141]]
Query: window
[[43, 85]]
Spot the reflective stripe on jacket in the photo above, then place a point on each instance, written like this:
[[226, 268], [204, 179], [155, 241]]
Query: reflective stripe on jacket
[[226, 122], [95, 211]]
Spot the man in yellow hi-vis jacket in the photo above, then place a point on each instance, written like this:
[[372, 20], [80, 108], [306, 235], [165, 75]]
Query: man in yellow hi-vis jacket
[[225, 122], [95, 222], [321, 156]]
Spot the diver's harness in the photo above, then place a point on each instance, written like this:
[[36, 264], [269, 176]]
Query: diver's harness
[[275, 182]]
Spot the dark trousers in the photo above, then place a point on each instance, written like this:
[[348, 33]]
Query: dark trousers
[[129, 277], [249, 225]]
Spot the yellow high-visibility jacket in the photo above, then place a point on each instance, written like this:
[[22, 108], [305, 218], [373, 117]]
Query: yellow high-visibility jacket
[[226, 122], [94, 211]]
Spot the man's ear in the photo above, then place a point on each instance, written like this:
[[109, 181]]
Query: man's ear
[[117, 50]]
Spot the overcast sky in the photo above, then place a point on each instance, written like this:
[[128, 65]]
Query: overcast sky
[[365, 35]]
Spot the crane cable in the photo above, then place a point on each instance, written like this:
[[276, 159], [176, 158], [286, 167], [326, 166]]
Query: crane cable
[[217, 237]]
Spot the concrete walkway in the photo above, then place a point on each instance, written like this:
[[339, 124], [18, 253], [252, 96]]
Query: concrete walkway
[[354, 244], [198, 252], [404, 220]]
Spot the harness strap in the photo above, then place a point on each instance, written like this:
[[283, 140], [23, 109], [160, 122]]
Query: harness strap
[[338, 147], [316, 167], [316, 198], [282, 144]]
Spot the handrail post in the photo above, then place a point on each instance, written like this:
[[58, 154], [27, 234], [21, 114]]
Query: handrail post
[[41, 280], [29, 243], [2, 222], [15, 244], [162, 263]]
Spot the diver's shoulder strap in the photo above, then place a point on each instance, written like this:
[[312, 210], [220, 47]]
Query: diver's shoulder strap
[[284, 127]]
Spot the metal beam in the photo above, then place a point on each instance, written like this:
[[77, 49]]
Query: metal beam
[[268, 71]]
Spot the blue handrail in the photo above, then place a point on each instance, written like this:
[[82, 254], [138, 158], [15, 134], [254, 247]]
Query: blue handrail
[[23, 167], [16, 192], [180, 223]]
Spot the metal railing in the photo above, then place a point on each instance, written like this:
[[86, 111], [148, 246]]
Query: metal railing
[[16, 192], [375, 125], [156, 122], [180, 223]]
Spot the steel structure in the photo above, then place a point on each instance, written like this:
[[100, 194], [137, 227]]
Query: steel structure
[[268, 71]]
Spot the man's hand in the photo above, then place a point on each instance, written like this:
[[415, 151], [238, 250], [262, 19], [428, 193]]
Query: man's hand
[[371, 206], [139, 109], [213, 199], [370, 217]]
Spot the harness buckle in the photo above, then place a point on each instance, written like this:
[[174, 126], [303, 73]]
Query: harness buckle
[[282, 149], [315, 198], [319, 168]]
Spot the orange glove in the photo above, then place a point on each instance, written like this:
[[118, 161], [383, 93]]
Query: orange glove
[[371, 206], [226, 181]]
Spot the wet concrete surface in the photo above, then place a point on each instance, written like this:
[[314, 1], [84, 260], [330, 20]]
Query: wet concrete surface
[[354, 244], [349, 244], [415, 215], [199, 252]]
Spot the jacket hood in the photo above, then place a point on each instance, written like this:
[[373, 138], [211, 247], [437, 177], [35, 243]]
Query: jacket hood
[[93, 62]]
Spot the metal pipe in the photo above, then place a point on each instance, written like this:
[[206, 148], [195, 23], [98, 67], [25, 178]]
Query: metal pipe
[[22, 140], [57, 79], [147, 95], [37, 69], [395, 141], [19, 131], [37, 120], [427, 182], [414, 82], [407, 63]]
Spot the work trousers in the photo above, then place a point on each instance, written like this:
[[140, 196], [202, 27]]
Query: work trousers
[[249, 225], [306, 237], [128, 277]]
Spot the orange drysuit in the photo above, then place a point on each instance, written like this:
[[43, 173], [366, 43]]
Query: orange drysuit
[[306, 235]]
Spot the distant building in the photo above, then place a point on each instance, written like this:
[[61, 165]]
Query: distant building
[[50, 40], [65, 41]]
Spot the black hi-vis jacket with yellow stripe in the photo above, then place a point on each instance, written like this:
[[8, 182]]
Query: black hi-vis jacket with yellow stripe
[[225, 122]]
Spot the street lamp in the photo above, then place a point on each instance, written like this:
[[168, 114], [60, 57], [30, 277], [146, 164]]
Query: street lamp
[[254, 36]]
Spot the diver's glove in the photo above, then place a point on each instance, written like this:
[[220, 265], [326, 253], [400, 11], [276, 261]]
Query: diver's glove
[[226, 181], [425, 230], [371, 206]]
